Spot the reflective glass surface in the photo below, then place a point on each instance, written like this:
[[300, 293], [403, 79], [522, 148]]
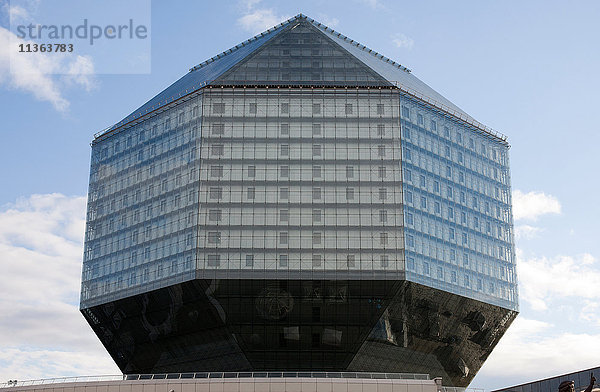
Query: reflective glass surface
[[142, 213], [300, 183], [458, 213], [300, 325]]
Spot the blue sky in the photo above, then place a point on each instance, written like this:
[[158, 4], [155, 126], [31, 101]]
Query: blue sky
[[527, 69]]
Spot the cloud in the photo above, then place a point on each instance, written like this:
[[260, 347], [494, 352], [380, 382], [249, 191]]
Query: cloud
[[42, 333], [259, 20], [545, 280], [402, 41], [526, 232], [328, 21], [533, 349], [34, 72], [532, 205]]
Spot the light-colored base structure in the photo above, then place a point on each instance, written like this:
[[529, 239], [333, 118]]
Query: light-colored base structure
[[250, 384]]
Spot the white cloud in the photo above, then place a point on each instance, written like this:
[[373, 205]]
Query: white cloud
[[42, 333], [533, 349], [33, 72], [402, 41], [543, 280], [532, 205], [259, 20], [526, 232], [328, 21]]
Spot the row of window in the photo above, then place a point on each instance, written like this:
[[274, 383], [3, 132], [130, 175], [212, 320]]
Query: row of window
[[284, 108]]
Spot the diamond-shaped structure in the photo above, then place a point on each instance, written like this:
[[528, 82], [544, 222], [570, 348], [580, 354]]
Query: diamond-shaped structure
[[300, 202]]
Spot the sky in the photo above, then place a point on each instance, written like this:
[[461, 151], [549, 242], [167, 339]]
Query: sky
[[526, 69]]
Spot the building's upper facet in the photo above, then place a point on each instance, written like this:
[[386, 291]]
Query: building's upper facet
[[300, 202]]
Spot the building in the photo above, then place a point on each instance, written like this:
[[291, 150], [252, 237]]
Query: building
[[300, 203], [581, 379]]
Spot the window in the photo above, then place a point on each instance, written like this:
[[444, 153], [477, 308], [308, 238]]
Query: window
[[283, 260], [316, 171], [405, 112], [284, 193], [447, 151], [195, 111], [451, 234], [409, 197], [465, 259], [215, 193], [217, 150], [349, 193], [316, 193], [349, 171], [426, 269], [410, 263], [317, 260], [348, 108], [350, 261], [382, 193], [460, 157], [465, 239], [437, 208], [406, 132], [316, 129], [251, 193], [316, 237], [383, 238], [283, 238], [316, 216], [214, 215], [461, 177], [214, 260], [453, 277], [214, 237], [284, 215], [448, 171], [216, 171], [384, 260], [463, 197], [285, 129], [410, 241], [252, 108], [380, 130], [249, 260], [284, 171], [181, 118], [452, 255], [407, 154], [434, 125], [316, 108], [381, 171], [379, 108], [381, 151], [420, 120], [284, 150], [383, 216], [449, 192], [440, 273], [409, 219], [285, 108], [467, 281], [316, 150], [424, 202], [251, 171], [217, 108], [422, 182]]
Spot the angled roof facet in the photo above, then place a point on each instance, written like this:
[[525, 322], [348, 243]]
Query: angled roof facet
[[301, 52], [302, 55]]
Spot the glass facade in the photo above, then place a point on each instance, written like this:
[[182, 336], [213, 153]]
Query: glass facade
[[294, 210], [458, 220], [142, 217]]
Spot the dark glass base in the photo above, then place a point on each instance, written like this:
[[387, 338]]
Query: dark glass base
[[253, 325]]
